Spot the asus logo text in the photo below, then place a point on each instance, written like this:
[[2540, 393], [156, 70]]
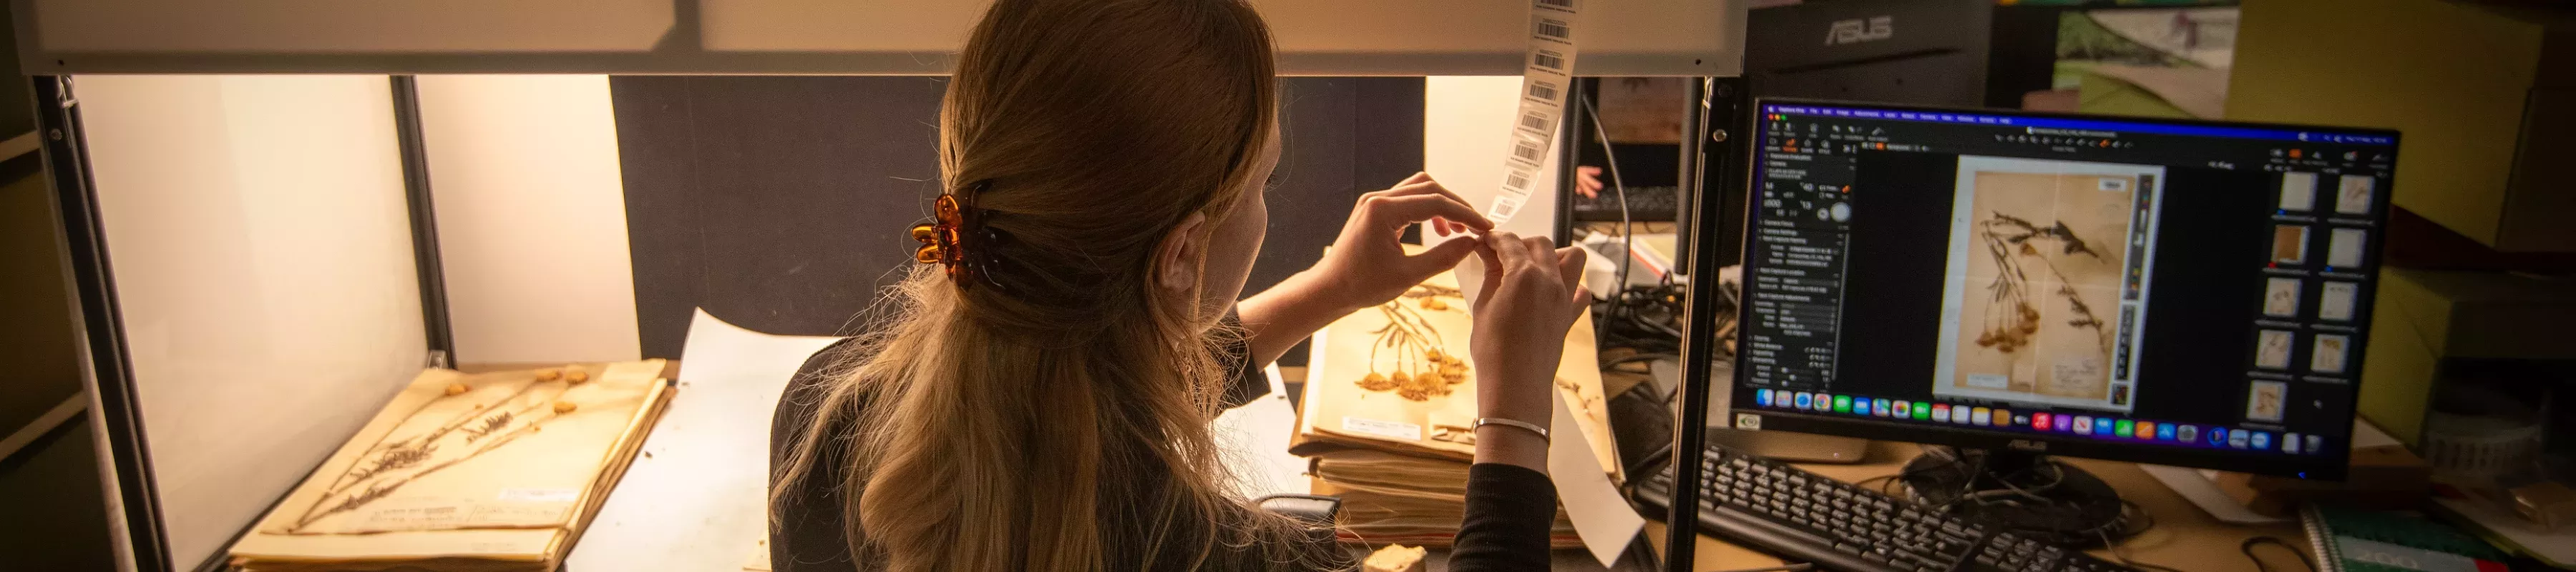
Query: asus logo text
[[1857, 30]]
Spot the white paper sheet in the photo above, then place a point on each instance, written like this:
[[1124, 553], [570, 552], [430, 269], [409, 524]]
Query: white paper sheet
[[1254, 440], [699, 492], [1601, 516], [2555, 548]]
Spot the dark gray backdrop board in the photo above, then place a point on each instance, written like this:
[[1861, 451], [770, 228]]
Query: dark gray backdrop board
[[780, 203]]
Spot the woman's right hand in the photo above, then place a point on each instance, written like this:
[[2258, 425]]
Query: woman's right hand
[[1532, 294]]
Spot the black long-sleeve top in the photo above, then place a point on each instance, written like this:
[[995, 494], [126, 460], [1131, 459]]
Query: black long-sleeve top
[[1509, 508]]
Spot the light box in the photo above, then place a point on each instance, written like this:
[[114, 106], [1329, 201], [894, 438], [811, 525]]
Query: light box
[[876, 37]]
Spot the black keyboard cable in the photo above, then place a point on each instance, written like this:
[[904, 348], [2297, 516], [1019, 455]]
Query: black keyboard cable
[[2248, 548]]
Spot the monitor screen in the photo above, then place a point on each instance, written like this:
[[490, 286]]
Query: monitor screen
[[2172, 292]]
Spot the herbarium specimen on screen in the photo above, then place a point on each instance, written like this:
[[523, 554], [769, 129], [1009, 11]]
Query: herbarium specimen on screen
[[2012, 316]]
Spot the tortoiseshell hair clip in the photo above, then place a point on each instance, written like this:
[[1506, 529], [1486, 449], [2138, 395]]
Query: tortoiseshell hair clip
[[958, 240]]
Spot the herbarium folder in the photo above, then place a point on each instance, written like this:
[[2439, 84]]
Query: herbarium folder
[[495, 471]]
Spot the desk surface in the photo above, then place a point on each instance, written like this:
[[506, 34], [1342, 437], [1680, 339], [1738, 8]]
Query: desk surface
[[2184, 537]]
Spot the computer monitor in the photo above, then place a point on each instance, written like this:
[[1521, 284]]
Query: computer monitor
[[2014, 285]]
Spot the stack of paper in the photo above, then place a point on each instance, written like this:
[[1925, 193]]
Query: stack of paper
[[497, 471], [1400, 499], [1396, 447]]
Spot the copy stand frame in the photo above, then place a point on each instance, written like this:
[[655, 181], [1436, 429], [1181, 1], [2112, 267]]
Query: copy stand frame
[[101, 325], [61, 38]]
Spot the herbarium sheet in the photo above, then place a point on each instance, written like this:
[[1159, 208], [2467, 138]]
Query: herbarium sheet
[[502, 464], [1397, 376]]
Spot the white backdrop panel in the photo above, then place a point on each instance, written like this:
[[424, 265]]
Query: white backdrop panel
[[262, 255]]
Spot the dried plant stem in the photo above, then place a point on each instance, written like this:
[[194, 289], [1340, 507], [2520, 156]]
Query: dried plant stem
[[384, 445], [1422, 371], [386, 488], [2010, 317], [395, 454]]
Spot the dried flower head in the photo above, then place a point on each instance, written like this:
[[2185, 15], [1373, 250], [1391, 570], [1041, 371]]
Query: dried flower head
[[576, 376], [1375, 381], [562, 407], [549, 374], [457, 389]]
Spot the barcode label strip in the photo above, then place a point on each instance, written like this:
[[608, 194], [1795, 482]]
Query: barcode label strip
[[1547, 70]]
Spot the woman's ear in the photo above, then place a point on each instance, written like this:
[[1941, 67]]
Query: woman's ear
[[1176, 261]]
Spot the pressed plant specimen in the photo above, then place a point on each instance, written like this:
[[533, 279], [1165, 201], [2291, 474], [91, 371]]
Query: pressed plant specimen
[[1420, 368], [2012, 315], [393, 462]]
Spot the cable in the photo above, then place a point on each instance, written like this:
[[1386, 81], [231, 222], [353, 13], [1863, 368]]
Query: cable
[[2248, 548], [1627, 228], [2122, 553], [1641, 318]]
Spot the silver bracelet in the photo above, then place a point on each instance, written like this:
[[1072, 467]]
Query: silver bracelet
[[1481, 422]]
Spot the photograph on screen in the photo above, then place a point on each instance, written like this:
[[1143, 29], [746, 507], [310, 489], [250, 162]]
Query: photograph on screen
[[2272, 349], [2353, 194], [2298, 191], [2034, 303], [2328, 357], [2290, 244], [2281, 297], [2344, 247], [2265, 400], [2335, 300]]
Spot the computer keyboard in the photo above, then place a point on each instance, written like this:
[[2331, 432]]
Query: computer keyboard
[[1802, 516], [1644, 204]]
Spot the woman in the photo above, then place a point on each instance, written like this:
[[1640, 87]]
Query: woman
[[1041, 399]]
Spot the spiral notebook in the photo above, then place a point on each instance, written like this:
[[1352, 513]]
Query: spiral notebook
[[2365, 540]]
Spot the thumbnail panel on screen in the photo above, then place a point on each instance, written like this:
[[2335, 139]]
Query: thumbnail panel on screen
[[2046, 282]]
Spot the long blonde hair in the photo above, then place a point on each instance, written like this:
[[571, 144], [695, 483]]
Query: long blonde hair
[[1063, 424]]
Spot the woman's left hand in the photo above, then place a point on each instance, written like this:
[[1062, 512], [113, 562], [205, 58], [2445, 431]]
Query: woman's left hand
[[1368, 266]]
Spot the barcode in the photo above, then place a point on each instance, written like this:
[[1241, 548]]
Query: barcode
[[1516, 181], [1503, 209], [1554, 29], [1566, 4], [1535, 120], [1527, 150], [1550, 60], [1542, 90]]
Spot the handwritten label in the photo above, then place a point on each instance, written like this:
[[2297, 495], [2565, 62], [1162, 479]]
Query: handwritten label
[[540, 495]]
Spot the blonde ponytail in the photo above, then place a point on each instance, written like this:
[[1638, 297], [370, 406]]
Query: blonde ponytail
[[1061, 423]]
